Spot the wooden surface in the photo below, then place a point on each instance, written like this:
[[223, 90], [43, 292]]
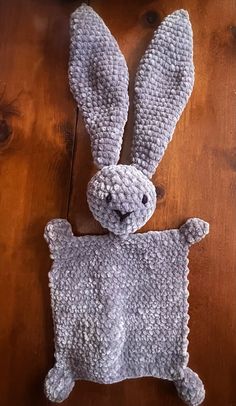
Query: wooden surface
[[45, 164]]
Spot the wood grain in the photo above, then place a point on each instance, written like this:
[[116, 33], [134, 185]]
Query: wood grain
[[37, 118], [45, 164]]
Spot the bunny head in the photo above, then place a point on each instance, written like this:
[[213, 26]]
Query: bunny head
[[122, 197]]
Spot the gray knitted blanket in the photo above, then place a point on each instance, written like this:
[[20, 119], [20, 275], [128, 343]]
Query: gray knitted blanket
[[119, 300]]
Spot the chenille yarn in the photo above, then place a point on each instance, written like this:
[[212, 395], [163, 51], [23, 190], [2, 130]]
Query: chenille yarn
[[119, 300], [99, 78], [170, 70], [117, 318]]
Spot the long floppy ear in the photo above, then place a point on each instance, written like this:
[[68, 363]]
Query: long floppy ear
[[98, 77], [164, 83]]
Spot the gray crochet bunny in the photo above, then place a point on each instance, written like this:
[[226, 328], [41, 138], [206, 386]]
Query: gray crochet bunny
[[119, 300]]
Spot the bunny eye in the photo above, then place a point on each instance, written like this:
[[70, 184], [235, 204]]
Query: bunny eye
[[108, 198], [144, 199]]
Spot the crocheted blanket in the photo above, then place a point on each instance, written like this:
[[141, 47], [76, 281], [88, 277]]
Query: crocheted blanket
[[115, 318]]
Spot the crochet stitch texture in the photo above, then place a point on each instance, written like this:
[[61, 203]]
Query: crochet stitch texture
[[119, 300]]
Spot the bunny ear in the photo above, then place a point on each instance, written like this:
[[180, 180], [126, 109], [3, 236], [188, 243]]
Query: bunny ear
[[98, 77], [164, 83]]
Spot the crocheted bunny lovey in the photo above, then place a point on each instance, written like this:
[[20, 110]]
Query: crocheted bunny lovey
[[119, 300]]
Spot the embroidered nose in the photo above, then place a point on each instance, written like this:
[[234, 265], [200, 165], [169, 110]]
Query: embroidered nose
[[122, 216]]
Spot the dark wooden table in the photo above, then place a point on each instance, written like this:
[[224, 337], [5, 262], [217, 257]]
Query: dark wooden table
[[45, 164]]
